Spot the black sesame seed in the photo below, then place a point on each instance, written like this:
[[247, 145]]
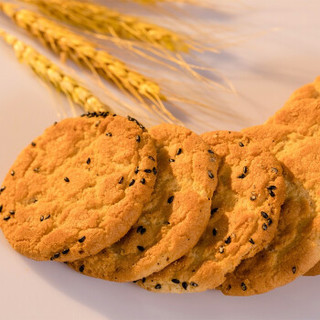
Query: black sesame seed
[[157, 286], [12, 173], [175, 281], [141, 230], [55, 123], [132, 182], [65, 251], [241, 144], [41, 218], [81, 268], [55, 256], [109, 134], [136, 170], [82, 239], [270, 189], [66, 179], [179, 151], [229, 287], [114, 115], [154, 170], [294, 270], [264, 227], [253, 198], [264, 215], [251, 241], [214, 231], [193, 284], [242, 176], [210, 151], [1, 207], [151, 158], [143, 280], [130, 118], [245, 169], [184, 285], [148, 171], [221, 249], [140, 248], [33, 144], [172, 160], [120, 180], [269, 221], [138, 139], [47, 217], [6, 218], [2, 189], [213, 211], [12, 212], [88, 161], [243, 286], [143, 181], [228, 240], [210, 174], [170, 199]]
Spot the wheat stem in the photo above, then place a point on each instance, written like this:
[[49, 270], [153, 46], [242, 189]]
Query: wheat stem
[[70, 45], [100, 19], [52, 74]]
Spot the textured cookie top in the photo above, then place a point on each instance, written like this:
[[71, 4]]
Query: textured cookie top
[[75, 189], [244, 216], [174, 219], [295, 113], [296, 246]]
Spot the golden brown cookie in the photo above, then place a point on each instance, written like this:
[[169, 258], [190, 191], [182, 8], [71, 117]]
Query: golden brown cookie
[[75, 189], [296, 246], [245, 212], [174, 219], [302, 112]]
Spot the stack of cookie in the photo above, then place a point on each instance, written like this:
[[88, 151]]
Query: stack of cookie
[[171, 210]]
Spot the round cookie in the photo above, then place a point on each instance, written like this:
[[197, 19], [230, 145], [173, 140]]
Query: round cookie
[[245, 211], [74, 190], [296, 246], [174, 219], [302, 112]]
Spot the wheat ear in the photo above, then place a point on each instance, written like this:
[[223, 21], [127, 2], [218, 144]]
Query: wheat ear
[[100, 19], [77, 48], [52, 74]]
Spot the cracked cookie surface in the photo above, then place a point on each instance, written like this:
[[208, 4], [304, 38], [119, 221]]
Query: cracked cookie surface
[[244, 216], [296, 246], [174, 219], [74, 191]]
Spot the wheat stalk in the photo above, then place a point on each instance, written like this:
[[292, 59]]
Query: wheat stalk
[[100, 19], [77, 48], [52, 74]]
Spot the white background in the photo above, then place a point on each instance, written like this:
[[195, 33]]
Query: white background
[[279, 53]]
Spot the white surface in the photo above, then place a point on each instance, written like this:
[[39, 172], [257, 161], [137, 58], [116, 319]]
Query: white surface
[[265, 69]]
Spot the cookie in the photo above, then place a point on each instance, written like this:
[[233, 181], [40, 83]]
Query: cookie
[[174, 219], [244, 216], [296, 246], [74, 190], [302, 111]]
